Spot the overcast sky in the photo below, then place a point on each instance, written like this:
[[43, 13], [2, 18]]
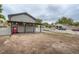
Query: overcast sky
[[48, 12]]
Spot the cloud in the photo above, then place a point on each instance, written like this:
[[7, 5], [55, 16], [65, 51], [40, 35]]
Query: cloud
[[48, 12]]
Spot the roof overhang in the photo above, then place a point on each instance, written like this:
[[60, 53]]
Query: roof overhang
[[25, 22]]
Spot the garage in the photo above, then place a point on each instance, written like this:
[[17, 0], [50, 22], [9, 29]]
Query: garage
[[22, 23]]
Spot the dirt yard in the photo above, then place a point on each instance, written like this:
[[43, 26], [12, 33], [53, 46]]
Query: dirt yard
[[42, 43]]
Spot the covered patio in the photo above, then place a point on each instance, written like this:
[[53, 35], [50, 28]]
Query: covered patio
[[24, 27]]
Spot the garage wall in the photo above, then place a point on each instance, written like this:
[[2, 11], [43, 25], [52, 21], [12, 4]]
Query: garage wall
[[5, 31], [20, 28], [29, 28]]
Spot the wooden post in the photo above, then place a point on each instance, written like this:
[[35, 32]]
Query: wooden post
[[24, 27], [17, 27], [33, 27], [40, 28], [11, 28]]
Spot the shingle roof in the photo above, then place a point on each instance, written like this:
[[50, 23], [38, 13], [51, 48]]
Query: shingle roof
[[9, 16]]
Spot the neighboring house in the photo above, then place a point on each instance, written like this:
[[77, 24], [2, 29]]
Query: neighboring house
[[66, 27], [61, 26], [22, 23]]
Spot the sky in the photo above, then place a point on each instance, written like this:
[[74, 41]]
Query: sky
[[47, 12]]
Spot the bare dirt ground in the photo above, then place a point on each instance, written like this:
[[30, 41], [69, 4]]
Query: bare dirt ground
[[42, 43]]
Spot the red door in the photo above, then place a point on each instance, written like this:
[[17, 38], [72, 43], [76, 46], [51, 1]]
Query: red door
[[14, 30]]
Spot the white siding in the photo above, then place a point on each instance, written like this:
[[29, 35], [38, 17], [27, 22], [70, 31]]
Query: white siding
[[20, 28], [5, 31], [37, 29], [29, 28], [22, 18]]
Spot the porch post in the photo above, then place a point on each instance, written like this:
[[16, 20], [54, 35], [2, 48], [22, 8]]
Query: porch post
[[11, 27], [40, 28], [24, 27], [17, 26], [33, 27]]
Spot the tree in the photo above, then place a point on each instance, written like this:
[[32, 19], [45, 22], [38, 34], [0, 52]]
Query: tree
[[39, 21], [52, 24], [70, 21], [45, 24], [0, 8], [65, 21], [76, 24], [2, 17]]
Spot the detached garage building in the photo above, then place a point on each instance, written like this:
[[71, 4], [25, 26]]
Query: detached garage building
[[23, 23]]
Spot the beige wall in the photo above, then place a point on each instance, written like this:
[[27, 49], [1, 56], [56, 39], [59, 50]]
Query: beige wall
[[28, 28], [20, 28]]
